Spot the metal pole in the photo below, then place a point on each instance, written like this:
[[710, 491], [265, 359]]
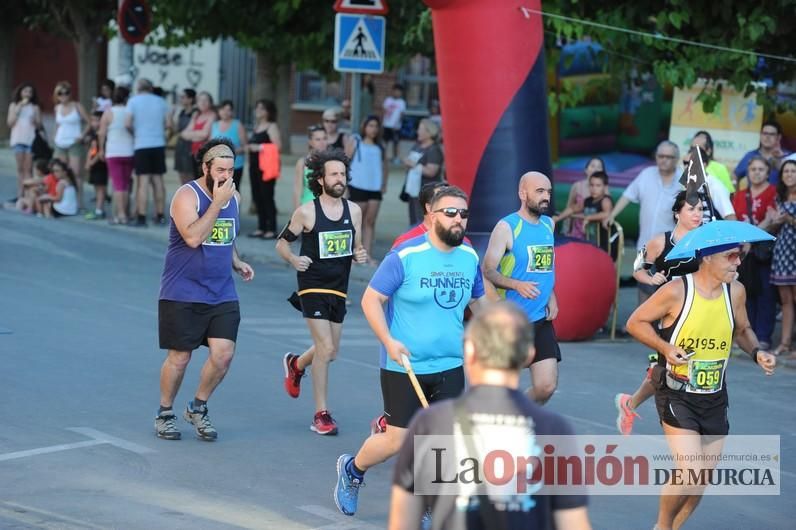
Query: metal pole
[[356, 111]]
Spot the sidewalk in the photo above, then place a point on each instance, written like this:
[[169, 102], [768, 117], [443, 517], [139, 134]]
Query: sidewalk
[[393, 220]]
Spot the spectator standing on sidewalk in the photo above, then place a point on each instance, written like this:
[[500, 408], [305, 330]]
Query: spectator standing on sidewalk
[[655, 190], [24, 117], [97, 168], [426, 159], [331, 121], [148, 117], [183, 158], [116, 142], [105, 99], [227, 126], [394, 107], [198, 129], [69, 116], [266, 131]]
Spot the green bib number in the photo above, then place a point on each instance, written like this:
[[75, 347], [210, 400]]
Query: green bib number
[[223, 232], [705, 377], [540, 258], [336, 244]]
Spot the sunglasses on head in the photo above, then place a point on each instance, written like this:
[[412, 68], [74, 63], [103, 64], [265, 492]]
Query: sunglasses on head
[[451, 212]]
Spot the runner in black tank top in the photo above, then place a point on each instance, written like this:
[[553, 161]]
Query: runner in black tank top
[[654, 273], [330, 229], [329, 246]]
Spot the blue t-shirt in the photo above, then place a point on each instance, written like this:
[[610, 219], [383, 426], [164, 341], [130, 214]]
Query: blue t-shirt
[[532, 259], [743, 165], [149, 120], [428, 290]]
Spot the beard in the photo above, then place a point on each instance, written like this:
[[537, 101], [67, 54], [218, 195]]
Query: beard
[[210, 184], [537, 208], [452, 236], [335, 191]]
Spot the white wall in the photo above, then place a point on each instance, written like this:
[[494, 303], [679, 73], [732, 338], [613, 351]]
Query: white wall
[[196, 66]]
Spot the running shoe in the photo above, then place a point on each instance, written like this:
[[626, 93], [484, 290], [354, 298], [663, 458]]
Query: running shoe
[[198, 418], [626, 417], [292, 375], [323, 423], [346, 491], [166, 425], [378, 424], [425, 522]]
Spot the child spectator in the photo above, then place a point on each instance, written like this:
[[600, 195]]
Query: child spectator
[[35, 186], [64, 201], [596, 208], [394, 107], [97, 168], [104, 101]]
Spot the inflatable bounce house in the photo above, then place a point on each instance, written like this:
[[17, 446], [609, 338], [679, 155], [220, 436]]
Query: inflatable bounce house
[[621, 125]]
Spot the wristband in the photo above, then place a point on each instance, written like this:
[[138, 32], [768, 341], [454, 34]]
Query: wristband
[[754, 353]]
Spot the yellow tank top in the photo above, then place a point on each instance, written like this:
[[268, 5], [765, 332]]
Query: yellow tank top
[[705, 327]]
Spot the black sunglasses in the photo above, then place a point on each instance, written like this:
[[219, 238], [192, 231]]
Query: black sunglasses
[[451, 212], [63, 92]]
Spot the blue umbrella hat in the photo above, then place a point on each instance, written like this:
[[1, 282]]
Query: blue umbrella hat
[[717, 236]]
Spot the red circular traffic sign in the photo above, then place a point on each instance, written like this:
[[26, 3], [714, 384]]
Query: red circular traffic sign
[[135, 20]]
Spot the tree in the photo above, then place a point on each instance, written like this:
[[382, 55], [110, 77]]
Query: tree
[[84, 22], [656, 42], [13, 18], [738, 34], [283, 34]]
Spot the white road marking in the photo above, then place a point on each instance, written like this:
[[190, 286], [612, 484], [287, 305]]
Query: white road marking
[[49, 449], [97, 438], [112, 440], [34, 516], [339, 521]]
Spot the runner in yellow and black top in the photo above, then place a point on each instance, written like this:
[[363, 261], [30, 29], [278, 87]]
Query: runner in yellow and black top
[[330, 229], [699, 316]]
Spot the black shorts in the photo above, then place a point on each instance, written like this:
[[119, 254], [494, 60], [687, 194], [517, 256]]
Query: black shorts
[[392, 135], [705, 414], [184, 326], [322, 306], [98, 176], [545, 341], [150, 161], [358, 195], [401, 401]]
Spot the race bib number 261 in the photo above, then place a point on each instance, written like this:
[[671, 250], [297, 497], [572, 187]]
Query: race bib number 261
[[223, 232]]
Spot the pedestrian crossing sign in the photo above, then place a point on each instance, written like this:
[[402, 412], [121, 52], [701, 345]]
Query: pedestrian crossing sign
[[359, 43]]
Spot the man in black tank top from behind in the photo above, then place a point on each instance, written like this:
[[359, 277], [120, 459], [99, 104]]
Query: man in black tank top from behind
[[330, 229]]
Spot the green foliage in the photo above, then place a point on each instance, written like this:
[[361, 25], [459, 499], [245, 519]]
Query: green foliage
[[299, 32], [759, 27]]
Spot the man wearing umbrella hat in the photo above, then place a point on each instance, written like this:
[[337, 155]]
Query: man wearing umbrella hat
[[700, 315]]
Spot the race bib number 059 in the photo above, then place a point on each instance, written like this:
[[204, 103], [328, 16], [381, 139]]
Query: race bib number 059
[[223, 232], [336, 244], [540, 258], [705, 377]]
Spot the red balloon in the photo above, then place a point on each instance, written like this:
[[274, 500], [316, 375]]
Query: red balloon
[[585, 289]]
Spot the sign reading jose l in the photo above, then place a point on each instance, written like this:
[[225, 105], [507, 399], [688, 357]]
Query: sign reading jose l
[[359, 43]]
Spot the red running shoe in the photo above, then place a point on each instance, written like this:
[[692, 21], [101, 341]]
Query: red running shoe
[[323, 423], [378, 424], [292, 375]]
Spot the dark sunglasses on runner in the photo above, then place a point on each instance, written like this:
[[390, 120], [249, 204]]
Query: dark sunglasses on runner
[[451, 212]]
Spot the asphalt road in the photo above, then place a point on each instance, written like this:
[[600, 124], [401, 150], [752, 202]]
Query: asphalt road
[[79, 391]]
